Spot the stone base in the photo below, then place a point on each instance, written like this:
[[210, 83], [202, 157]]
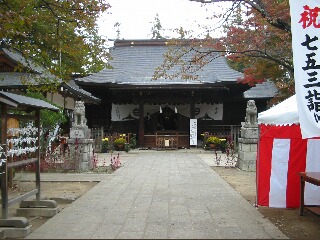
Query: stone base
[[43, 208], [16, 232], [14, 227], [85, 149], [17, 222], [37, 212], [247, 154], [246, 165], [38, 204], [85, 166]]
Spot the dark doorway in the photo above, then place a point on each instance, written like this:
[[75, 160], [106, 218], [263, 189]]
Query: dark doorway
[[167, 119]]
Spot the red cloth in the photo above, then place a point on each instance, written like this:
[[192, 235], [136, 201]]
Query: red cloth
[[296, 162]]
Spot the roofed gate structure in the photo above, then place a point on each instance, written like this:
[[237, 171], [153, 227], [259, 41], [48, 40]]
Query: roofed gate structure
[[133, 102], [18, 71]]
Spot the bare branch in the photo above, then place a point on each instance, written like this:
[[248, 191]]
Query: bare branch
[[258, 6]]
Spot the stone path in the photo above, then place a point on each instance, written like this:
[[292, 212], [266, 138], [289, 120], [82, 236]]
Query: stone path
[[159, 195]]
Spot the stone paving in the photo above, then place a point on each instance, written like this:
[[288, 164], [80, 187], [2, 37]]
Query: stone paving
[[165, 194]]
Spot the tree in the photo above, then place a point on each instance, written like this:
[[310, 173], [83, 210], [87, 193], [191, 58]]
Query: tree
[[117, 27], [48, 118], [61, 35], [262, 44], [156, 28], [257, 42]]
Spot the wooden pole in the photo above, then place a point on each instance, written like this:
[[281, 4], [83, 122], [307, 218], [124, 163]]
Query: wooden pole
[[37, 125], [4, 174], [141, 124]]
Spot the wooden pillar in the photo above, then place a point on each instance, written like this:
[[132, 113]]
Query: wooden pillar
[[4, 178], [37, 125], [141, 124], [192, 107]]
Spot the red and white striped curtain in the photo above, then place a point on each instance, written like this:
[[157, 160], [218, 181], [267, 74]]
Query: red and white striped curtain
[[281, 156]]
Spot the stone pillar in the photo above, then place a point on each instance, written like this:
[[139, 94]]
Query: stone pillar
[[247, 153], [80, 141], [82, 152]]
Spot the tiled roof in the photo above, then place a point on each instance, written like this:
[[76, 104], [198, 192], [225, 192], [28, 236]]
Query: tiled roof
[[266, 89], [32, 70], [71, 86], [30, 64], [15, 78], [134, 62], [11, 80], [17, 100]]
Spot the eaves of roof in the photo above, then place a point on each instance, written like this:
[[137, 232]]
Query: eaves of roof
[[18, 101], [266, 89], [13, 80], [75, 90], [18, 58], [169, 86]]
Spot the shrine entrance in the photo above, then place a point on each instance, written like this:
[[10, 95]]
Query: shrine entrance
[[167, 120]]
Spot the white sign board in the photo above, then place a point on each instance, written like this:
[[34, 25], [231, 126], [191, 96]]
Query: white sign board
[[305, 26], [193, 131]]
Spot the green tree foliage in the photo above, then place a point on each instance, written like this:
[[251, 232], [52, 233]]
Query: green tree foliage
[[117, 27], [62, 35], [156, 28], [48, 118]]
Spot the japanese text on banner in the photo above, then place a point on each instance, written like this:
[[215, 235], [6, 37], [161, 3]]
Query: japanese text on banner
[[305, 27]]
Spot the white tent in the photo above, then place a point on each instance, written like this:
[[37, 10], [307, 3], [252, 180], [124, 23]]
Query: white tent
[[285, 113]]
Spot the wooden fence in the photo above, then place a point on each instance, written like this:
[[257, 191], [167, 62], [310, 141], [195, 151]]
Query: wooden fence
[[98, 134], [231, 132]]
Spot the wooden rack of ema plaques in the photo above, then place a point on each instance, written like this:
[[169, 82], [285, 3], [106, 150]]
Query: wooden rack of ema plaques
[[21, 147], [167, 141]]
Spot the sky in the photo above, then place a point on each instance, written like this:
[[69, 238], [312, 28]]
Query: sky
[[136, 17]]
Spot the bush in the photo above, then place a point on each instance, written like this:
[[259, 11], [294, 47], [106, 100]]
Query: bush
[[105, 145], [119, 141], [133, 142], [213, 140]]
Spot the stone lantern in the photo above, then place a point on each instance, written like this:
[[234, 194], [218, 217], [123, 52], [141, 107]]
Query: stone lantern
[[80, 138]]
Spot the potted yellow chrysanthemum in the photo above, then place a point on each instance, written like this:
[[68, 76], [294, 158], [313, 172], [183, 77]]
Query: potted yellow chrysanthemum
[[119, 143], [213, 141]]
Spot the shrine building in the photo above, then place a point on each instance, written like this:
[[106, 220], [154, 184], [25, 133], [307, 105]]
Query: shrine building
[[132, 101]]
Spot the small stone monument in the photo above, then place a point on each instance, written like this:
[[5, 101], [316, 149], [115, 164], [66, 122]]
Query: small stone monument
[[247, 153], [80, 138]]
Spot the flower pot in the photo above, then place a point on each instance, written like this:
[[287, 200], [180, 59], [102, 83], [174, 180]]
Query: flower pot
[[120, 146], [212, 145]]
